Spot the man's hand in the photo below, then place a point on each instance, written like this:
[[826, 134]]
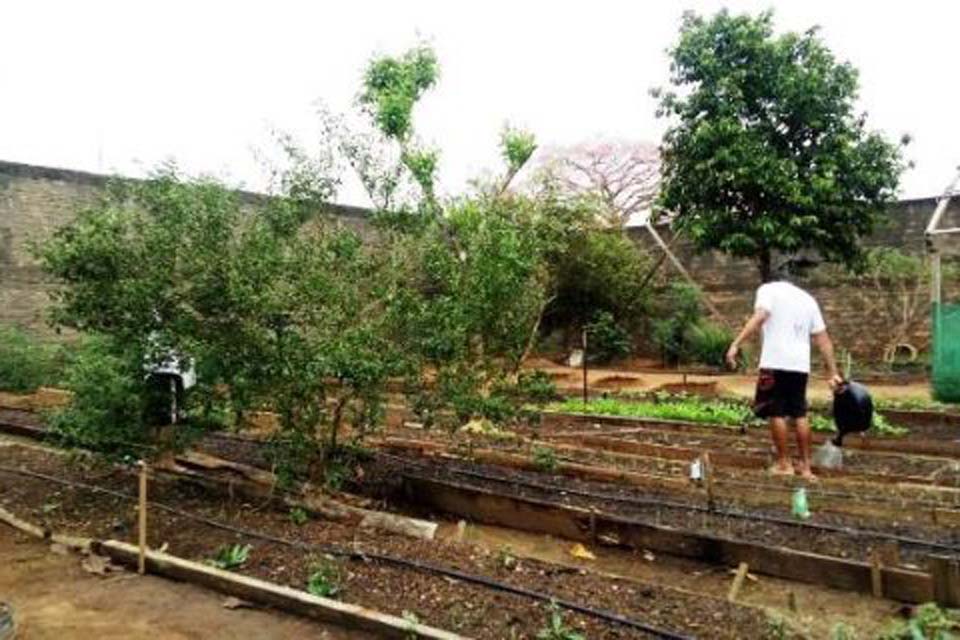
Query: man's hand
[[835, 380], [732, 355]]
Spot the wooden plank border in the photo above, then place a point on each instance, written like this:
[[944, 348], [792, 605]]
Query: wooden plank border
[[267, 593], [583, 525], [890, 445]]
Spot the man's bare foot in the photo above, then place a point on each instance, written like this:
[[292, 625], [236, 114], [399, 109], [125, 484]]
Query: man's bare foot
[[806, 473], [779, 469]]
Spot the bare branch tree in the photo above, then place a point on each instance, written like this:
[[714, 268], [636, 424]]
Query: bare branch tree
[[624, 175]]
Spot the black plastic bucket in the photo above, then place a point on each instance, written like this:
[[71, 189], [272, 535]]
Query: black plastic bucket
[[852, 410]]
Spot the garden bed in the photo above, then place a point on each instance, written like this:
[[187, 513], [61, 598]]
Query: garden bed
[[440, 601], [853, 537]]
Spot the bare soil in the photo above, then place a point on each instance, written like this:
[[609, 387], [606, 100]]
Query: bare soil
[[735, 385], [471, 610], [55, 599], [684, 512]]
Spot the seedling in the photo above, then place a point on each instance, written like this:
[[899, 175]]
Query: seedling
[[544, 459], [506, 559], [929, 622], [49, 507], [556, 629], [843, 632], [231, 556], [412, 621], [324, 581], [299, 516]]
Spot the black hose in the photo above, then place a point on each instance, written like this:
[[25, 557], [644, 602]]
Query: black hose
[[652, 502], [424, 567]]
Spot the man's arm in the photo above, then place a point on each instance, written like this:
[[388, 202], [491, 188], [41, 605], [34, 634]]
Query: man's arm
[[753, 325], [825, 345]]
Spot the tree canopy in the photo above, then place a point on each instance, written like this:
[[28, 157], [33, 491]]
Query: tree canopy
[[766, 152]]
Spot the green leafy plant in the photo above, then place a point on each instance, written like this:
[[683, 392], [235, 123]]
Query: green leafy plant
[[299, 516], [929, 622], [841, 631], [722, 413], [707, 343], [325, 580], [412, 620], [25, 362], [537, 387], [607, 340], [776, 629], [231, 556], [506, 559], [688, 410], [544, 459], [556, 629], [107, 411], [680, 310], [596, 270], [881, 426]]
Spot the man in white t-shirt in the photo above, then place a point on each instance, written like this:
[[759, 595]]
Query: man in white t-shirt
[[789, 318]]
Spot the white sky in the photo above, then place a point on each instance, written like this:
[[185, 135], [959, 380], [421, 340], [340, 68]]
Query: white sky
[[120, 86]]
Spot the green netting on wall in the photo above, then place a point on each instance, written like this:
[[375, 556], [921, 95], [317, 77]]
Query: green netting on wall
[[946, 352]]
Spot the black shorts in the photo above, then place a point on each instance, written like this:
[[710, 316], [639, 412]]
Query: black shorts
[[781, 394]]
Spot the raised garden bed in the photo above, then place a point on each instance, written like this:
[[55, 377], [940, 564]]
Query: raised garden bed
[[451, 604]]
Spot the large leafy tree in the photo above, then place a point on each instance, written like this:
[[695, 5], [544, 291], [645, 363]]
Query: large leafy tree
[[766, 152], [273, 300]]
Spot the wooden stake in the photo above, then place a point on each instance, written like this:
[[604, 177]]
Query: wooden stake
[[586, 392], [889, 551], [737, 582], [876, 573], [142, 528], [708, 478], [945, 571]]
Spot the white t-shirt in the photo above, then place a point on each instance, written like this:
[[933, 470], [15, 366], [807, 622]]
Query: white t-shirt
[[794, 317]]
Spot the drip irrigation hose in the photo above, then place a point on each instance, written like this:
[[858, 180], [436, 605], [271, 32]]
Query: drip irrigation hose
[[746, 515], [423, 567], [810, 490]]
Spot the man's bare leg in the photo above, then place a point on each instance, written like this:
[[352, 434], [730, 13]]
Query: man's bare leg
[[778, 431], [804, 440]]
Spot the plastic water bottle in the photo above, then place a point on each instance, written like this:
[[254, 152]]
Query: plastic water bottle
[[800, 508]]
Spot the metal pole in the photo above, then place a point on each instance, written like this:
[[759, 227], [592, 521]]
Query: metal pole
[[142, 527], [935, 279], [583, 337]]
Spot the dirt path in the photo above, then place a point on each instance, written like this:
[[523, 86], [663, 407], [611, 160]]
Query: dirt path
[[729, 385], [55, 599]]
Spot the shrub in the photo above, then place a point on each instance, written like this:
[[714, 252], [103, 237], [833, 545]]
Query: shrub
[[707, 343], [606, 339], [25, 362], [537, 386], [599, 270], [109, 399], [544, 459], [679, 311]]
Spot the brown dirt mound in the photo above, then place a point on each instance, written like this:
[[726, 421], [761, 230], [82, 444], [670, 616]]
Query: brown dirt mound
[[618, 382], [704, 389]]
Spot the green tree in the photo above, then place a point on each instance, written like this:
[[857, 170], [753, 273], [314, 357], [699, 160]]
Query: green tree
[[272, 299], [765, 152]]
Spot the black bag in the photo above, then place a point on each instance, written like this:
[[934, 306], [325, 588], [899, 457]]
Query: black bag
[[852, 410]]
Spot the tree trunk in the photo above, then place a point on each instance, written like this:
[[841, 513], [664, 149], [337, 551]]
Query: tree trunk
[[765, 265]]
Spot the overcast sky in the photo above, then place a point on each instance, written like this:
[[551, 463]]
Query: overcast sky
[[120, 86]]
